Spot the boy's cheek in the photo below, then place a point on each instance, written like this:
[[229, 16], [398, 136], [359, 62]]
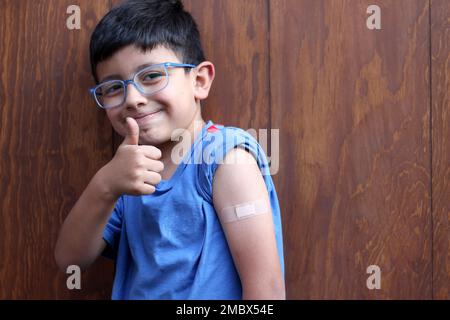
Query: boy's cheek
[[117, 122], [118, 129]]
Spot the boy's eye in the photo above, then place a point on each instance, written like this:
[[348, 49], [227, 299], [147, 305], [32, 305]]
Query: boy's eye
[[111, 89], [151, 76]]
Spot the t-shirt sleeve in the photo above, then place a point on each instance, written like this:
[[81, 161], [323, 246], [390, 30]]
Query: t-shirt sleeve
[[216, 145], [112, 231]]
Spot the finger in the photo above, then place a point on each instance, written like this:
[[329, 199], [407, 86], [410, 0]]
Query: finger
[[132, 134], [148, 189], [154, 165], [151, 152], [152, 178]]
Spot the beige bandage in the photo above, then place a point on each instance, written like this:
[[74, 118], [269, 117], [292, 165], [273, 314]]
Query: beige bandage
[[244, 211]]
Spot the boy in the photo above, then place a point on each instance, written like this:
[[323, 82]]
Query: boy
[[207, 227]]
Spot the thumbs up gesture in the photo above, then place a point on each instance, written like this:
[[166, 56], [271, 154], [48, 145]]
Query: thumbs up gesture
[[134, 169], [132, 137]]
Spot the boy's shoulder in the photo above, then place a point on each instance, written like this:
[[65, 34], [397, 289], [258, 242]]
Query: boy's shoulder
[[220, 139], [221, 129], [219, 136]]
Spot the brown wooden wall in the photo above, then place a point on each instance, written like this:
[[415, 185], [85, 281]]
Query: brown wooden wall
[[440, 110], [363, 118]]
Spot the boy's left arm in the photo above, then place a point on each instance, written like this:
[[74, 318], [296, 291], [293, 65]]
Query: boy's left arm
[[252, 241]]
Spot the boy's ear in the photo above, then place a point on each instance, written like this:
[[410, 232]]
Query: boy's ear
[[203, 78]]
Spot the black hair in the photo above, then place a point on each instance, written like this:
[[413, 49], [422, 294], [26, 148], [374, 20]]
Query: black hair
[[146, 24]]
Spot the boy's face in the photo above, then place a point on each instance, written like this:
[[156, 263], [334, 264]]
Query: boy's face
[[157, 115]]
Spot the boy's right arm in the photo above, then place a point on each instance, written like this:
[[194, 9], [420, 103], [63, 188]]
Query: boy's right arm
[[133, 170], [80, 239]]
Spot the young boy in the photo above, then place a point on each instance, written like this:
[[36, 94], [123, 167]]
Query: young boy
[[207, 227]]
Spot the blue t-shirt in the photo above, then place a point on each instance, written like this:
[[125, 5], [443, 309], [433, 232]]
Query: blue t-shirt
[[170, 244]]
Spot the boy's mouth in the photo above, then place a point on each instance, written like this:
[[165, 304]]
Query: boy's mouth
[[143, 117]]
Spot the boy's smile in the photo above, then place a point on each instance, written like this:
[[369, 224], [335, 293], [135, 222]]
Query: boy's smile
[[142, 119]]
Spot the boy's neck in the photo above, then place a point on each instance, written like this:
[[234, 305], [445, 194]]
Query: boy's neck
[[190, 133]]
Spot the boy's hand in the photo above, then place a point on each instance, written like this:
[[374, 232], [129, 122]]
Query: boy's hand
[[134, 169]]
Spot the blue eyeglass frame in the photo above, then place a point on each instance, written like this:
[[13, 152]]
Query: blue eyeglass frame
[[131, 81]]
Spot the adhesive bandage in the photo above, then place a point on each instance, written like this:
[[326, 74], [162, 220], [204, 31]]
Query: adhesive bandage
[[244, 211]]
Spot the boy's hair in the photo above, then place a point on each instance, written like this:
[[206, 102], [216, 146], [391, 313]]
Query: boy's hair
[[146, 24]]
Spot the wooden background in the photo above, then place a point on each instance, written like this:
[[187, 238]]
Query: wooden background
[[363, 115]]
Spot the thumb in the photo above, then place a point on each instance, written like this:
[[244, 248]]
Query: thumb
[[132, 134]]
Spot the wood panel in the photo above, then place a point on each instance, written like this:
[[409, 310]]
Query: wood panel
[[352, 105], [440, 86], [234, 37], [52, 141]]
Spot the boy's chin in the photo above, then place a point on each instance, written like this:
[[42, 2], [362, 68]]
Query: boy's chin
[[153, 141]]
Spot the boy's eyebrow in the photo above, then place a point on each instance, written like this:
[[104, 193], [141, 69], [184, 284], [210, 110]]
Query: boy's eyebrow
[[117, 76]]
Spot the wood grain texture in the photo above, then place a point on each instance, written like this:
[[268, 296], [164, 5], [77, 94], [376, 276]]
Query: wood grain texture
[[352, 106], [52, 141], [440, 81], [234, 37]]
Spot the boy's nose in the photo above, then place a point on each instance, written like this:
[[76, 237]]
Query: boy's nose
[[134, 98]]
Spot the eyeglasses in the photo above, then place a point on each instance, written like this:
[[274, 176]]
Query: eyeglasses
[[147, 81]]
